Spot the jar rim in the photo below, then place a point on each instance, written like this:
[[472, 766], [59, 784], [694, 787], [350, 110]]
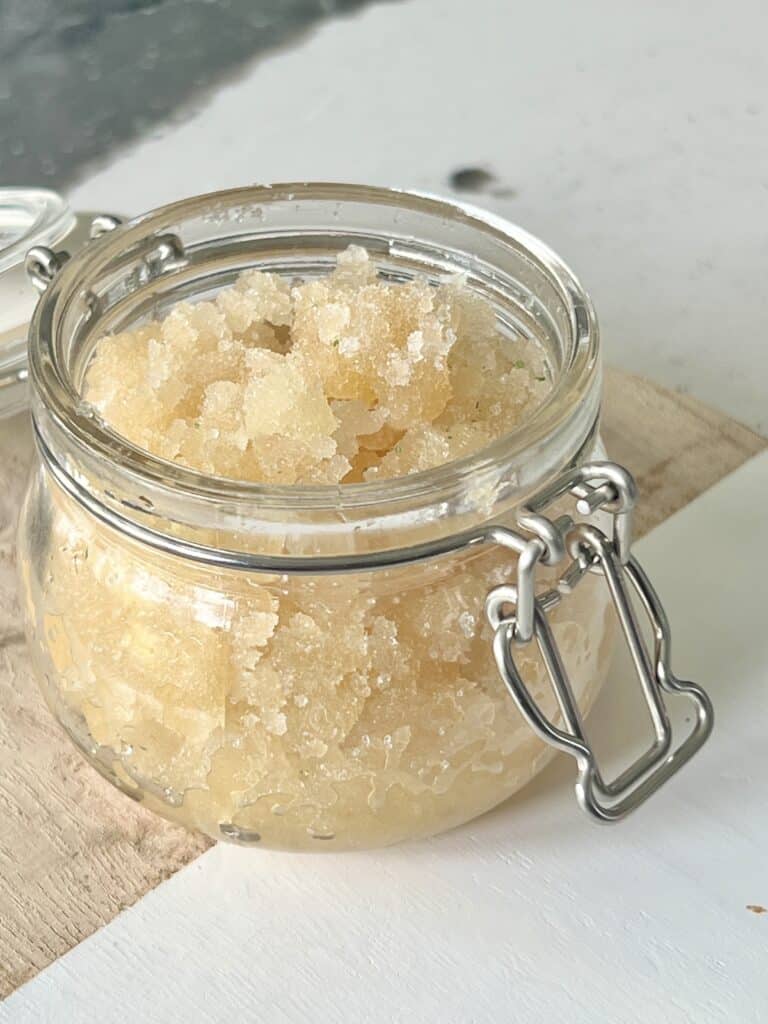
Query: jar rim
[[56, 398]]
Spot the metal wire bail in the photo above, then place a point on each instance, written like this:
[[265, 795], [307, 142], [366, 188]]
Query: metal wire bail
[[608, 486]]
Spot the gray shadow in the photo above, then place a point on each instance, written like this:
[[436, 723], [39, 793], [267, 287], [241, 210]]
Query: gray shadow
[[79, 78]]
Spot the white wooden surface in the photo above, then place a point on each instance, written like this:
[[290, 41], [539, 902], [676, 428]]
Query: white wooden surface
[[634, 136], [530, 914]]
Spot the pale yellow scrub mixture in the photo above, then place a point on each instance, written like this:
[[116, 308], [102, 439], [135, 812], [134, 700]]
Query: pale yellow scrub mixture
[[344, 711], [341, 379]]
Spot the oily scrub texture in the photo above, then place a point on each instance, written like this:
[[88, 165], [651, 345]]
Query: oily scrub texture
[[303, 712], [340, 379]]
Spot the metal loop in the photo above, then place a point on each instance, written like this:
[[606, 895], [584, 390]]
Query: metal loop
[[595, 485], [531, 554], [103, 223], [606, 801], [42, 264], [495, 603], [551, 533], [620, 478], [620, 500]]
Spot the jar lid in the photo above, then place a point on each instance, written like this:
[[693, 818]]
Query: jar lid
[[28, 217]]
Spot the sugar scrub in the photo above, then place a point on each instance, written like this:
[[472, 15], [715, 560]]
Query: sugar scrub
[[337, 380], [326, 711]]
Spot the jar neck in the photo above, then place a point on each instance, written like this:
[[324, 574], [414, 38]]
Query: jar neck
[[196, 246]]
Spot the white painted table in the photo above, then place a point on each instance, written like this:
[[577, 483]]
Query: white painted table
[[634, 141]]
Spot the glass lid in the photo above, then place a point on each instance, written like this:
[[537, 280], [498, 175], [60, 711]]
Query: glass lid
[[28, 216]]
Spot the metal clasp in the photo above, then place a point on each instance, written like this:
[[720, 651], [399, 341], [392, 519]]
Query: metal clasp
[[152, 256], [518, 615], [42, 264]]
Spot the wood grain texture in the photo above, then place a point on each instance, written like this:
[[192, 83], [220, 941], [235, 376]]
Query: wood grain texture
[[73, 851], [676, 447]]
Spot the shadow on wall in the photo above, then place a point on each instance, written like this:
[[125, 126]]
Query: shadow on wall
[[79, 77]]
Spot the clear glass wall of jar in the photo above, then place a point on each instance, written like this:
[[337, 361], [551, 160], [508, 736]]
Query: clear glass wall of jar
[[306, 667]]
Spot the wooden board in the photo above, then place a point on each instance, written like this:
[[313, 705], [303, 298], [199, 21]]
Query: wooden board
[[73, 851]]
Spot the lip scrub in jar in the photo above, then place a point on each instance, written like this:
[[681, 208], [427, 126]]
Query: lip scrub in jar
[[322, 545]]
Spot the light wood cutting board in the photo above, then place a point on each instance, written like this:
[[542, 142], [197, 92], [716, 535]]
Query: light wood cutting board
[[73, 851]]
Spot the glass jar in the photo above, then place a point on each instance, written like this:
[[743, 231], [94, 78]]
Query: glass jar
[[324, 666], [29, 217]]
